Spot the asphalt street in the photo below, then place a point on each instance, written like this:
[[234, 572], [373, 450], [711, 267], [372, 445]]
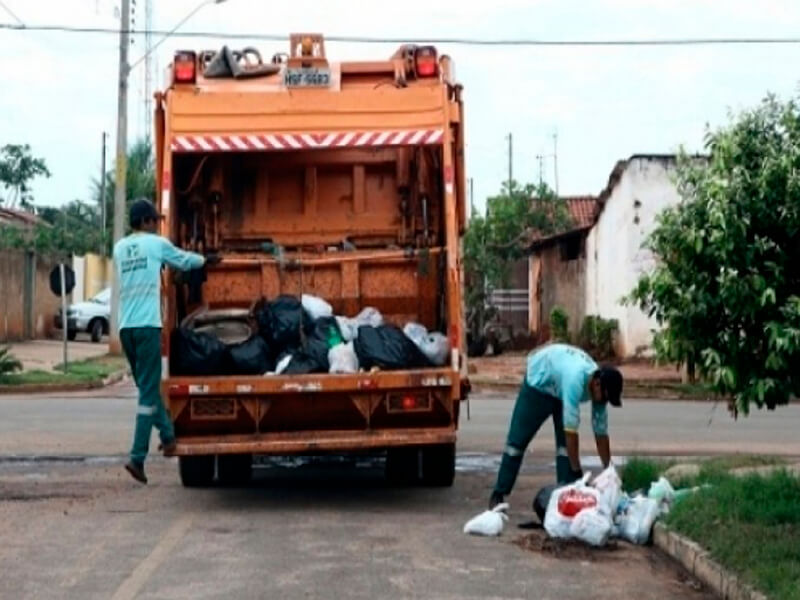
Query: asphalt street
[[74, 525]]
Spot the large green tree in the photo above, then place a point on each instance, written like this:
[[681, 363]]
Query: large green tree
[[18, 167], [726, 288], [494, 242]]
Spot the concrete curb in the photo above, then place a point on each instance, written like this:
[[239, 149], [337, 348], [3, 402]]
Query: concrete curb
[[699, 563], [39, 388]]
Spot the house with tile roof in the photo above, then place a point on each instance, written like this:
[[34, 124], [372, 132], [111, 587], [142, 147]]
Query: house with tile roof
[[552, 275], [589, 268]]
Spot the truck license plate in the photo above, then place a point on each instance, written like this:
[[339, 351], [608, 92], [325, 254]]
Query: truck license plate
[[307, 77]]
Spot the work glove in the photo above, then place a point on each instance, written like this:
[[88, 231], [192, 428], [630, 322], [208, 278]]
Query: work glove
[[495, 499], [212, 258]]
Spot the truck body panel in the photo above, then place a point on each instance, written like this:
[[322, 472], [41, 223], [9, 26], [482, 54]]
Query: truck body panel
[[353, 193]]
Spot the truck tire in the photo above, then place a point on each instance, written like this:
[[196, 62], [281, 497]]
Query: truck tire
[[402, 466], [234, 470], [439, 465], [196, 471], [96, 330], [72, 334]]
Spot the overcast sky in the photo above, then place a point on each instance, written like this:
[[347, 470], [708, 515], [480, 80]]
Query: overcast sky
[[58, 90]]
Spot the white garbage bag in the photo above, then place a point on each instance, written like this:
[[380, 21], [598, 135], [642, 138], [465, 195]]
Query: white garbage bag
[[489, 522], [565, 504], [591, 525], [343, 359], [637, 518], [416, 332], [316, 307], [348, 328], [609, 484], [436, 347], [661, 491], [283, 364], [369, 316]]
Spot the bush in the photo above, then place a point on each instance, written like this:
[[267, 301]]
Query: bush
[[8, 363], [597, 336], [559, 325]]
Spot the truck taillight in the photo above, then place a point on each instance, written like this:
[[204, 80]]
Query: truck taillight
[[184, 67], [425, 61], [408, 402]]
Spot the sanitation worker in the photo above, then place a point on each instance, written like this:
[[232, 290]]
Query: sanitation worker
[[138, 259], [558, 379]]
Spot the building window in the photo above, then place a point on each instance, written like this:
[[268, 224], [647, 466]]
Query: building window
[[571, 248]]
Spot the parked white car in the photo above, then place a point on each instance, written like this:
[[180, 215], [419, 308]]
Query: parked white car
[[92, 316]]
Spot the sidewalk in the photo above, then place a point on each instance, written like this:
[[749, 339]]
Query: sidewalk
[[642, 378], [44, 355]]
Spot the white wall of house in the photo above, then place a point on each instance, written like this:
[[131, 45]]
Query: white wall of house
[[615, 257]]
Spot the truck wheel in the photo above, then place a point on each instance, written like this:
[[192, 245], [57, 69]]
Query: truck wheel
[[439, 465], [234, 469], [72, 334], [402, 466], [96, 330], [196, 471]]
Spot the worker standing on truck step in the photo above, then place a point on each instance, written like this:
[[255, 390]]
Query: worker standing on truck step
[[138, 259], [558, 379]]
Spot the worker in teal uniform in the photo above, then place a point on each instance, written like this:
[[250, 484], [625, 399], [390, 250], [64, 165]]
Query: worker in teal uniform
[[138, 260], [558, 379]]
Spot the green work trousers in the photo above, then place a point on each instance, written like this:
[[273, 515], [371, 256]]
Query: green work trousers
[[530, 411], [142, 346]]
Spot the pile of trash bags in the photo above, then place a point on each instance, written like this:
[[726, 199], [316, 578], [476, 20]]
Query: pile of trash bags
[[597, 511], [299, 336]]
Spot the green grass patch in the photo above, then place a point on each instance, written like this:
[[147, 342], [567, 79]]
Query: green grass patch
[[639, 473], [86, 371], [750, 524]]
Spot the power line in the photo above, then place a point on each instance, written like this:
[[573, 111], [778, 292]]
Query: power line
[[463, 41], [11, 12]]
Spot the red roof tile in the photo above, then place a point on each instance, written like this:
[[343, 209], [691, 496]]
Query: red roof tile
[[582, 209]]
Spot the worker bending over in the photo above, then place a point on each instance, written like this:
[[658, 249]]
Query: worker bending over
[[558, 379]]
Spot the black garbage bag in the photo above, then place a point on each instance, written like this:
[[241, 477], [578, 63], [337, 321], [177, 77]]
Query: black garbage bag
[[194, 353], [542, 499], [303, 363], [282, 322], [387, 347], [311, 356], [251, 357]]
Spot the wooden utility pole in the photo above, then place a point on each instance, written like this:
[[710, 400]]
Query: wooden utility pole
[[121, 165]]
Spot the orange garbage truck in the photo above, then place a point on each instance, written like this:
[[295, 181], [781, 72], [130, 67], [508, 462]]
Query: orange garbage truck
[[343, 181]]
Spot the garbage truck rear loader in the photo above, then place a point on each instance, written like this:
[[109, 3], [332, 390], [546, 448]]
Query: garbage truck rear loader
[[340, 180]]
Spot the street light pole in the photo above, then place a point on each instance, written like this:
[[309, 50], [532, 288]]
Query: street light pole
[[121, 167]]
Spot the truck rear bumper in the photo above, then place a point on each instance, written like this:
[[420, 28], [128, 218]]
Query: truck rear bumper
[[309, 442]]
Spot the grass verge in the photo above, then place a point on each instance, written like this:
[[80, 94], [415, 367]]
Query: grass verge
[[87, 371], [750, 524]]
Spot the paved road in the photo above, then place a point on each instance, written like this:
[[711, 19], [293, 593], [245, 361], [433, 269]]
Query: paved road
[[100, 423], [76, 526], [87, 531]]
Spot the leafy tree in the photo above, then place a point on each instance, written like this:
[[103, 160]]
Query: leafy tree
[[492, 243], [140, 182], [726, 288], [18, 168]]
